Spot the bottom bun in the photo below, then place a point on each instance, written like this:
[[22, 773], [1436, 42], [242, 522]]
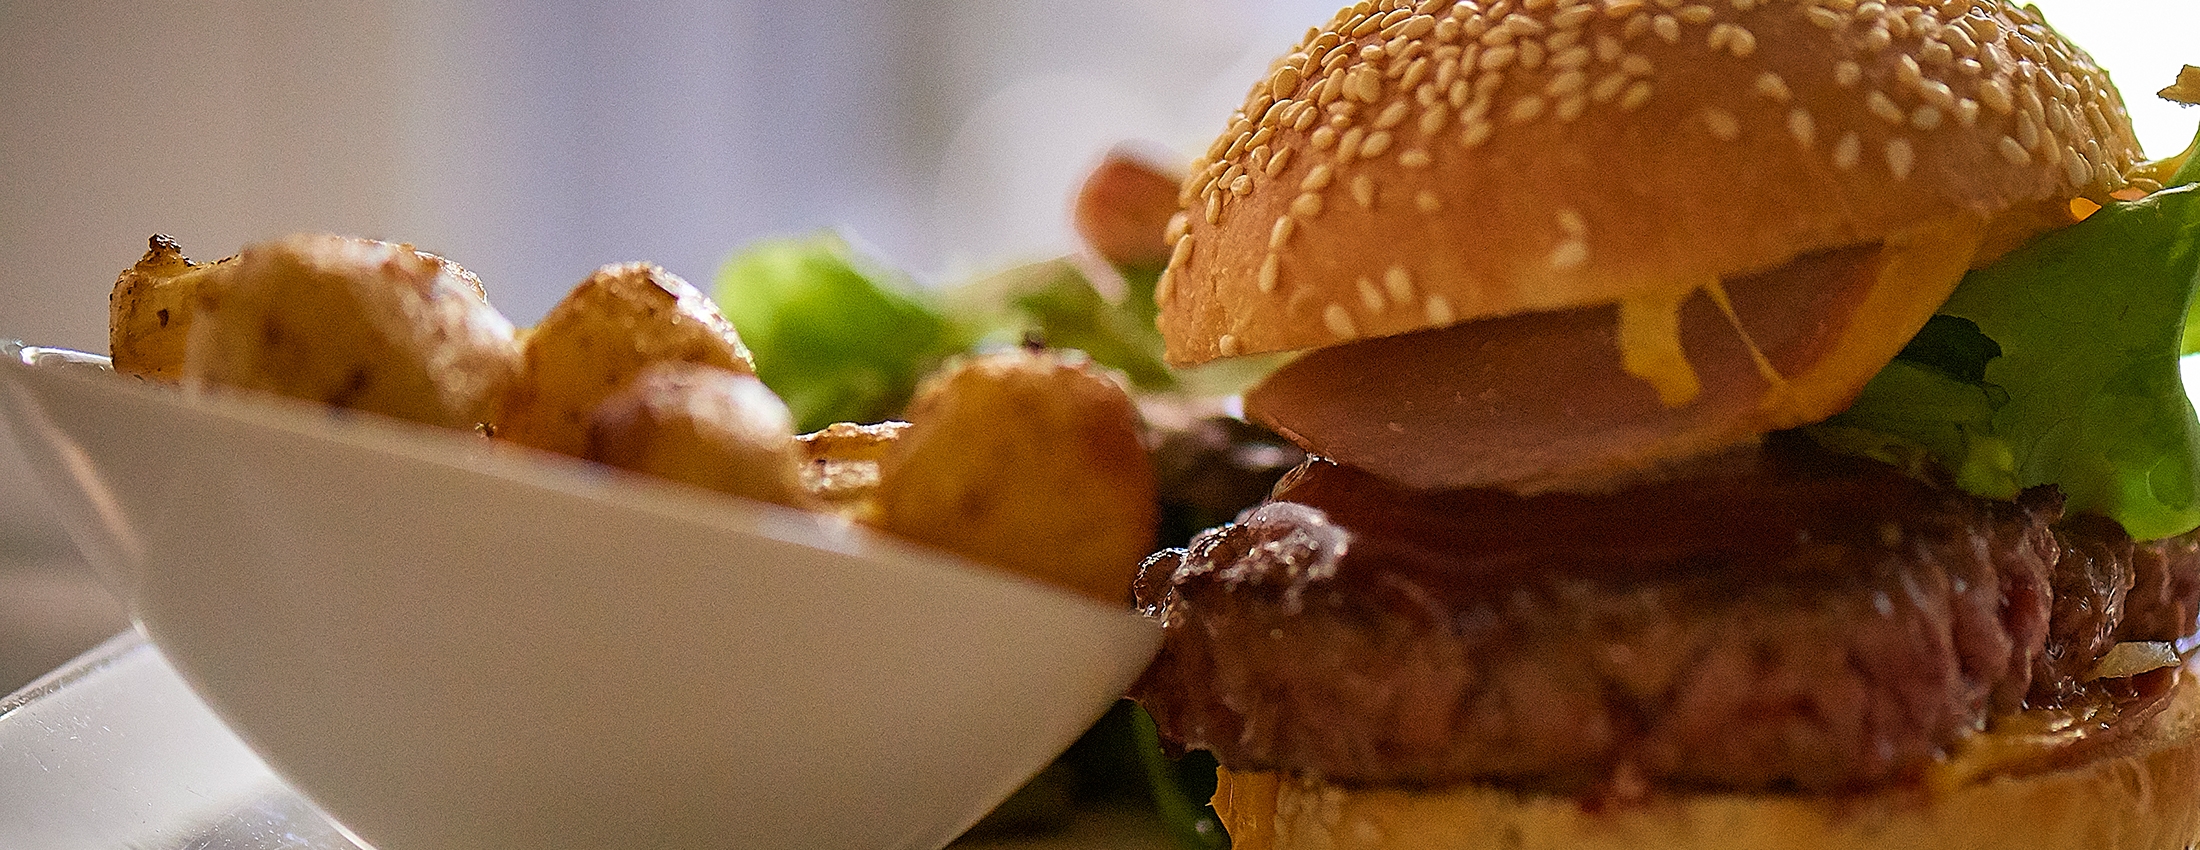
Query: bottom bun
[[2145, 795]]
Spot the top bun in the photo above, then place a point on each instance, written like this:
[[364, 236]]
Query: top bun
[[1409, 167]]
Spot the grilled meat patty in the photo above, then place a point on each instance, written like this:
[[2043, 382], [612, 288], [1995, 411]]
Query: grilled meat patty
[[1773, 618]]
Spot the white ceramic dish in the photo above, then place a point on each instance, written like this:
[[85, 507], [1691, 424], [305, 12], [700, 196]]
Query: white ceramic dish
[[449, 645]]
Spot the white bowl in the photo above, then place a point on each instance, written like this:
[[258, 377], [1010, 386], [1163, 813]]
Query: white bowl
[[450, 645]]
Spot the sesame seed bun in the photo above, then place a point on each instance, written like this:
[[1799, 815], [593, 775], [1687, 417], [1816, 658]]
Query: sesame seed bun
[[1412, 167], [2142, 795]]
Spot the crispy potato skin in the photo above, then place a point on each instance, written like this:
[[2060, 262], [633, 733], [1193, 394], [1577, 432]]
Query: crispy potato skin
[[355, 323], [841, 460], [618, 321], [1027, 460], [149, 311], [702, 425]]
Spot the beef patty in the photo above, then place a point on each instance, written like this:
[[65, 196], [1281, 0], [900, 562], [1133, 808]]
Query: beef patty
[[1777, 618]]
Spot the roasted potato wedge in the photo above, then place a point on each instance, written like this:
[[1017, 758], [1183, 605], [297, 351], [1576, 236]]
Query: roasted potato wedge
[[619, 320], [355, 323], [1027, 460], [702, 425], [149, 310]]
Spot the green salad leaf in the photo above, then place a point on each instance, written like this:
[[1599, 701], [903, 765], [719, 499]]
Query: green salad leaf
[[838, 338], [2059, 364]]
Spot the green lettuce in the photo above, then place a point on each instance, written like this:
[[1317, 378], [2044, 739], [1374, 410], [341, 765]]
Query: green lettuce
[[2059, 365], [840, 339]]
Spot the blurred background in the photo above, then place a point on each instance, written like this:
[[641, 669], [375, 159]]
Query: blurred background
[[534, 141]]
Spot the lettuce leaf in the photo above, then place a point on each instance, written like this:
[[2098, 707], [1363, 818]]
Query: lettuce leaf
[[838, 338], [2078, 384]]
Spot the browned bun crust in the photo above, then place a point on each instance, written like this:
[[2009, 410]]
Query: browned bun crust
[[1412, 167], [2144, 794]]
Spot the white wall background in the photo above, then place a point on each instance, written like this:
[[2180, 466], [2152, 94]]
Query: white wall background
[[535, 141]]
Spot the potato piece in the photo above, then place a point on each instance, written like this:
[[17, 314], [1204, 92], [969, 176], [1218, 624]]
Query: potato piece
[[1027, 460], [149, 310], [355, 323], [619, 320], [702, 425], [841, 463]]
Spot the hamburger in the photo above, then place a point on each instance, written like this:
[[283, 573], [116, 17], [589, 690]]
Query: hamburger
[[1738, 424]]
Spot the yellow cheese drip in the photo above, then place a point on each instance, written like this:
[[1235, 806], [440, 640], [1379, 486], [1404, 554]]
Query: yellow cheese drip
[[1918, 270], [1650, 345]]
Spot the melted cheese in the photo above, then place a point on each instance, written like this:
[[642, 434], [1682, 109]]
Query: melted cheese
[[1650, 345], [1917, 273]]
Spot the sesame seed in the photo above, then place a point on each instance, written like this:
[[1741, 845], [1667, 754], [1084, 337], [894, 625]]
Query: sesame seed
[[1181, 255], [1877, 39], [1570, 108], [1496, 58], [2076, 170], [2014, 152], [1697, 15], [1416, 71], [1572, 17], [1476, 133], [1370, 297], [1525, 110], [1415, 27], [1847, 73], [1271, 273], [1936, 53], [1570, 221], [1317, 178], [1802, 127], [1324, 138], [1392, 114], [1349, 145], [1771, 86], [1366, 27], [1636, 64], [1439, 310], [1608, 87], [1667, 28], [1278, 162], [1966, 111], [1427, 201], [1900, 158], [1616, 9], [1723, 124], [1339, 322], [1531, 54], [1227, 344], [1306, 117], [1307, 205], [1280, 234], [1925, 118], [1164, 287], [1823, 17], [1212, 209], [1179, 227], [1637, 95], [1994, 92], [1363, 191], [1243, 185], [2028, 131], [1907, 72], [1570, 58], [1284, 83], [1415, 158], [1848, 151], [1569, 82], [1400, 284], [1365, 83], [1884, 108], [1570, 254], [1433, 119], [1374, 145]]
